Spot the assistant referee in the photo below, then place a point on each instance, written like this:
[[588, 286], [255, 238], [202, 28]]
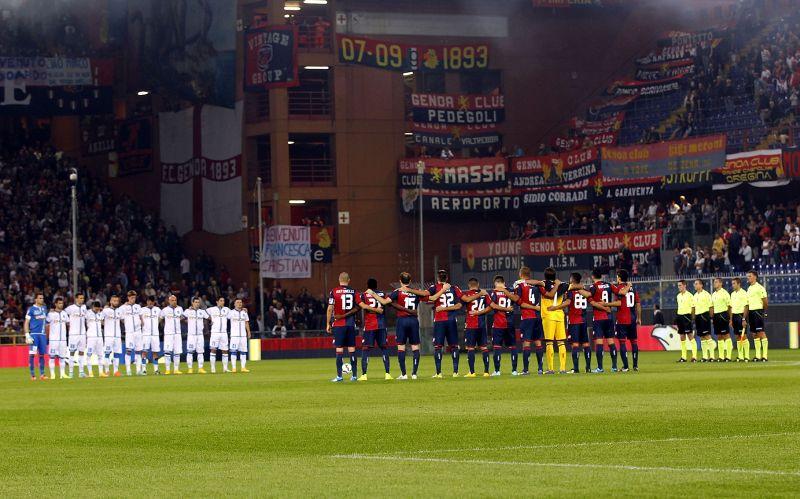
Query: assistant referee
[[683, 321], [756, 311]]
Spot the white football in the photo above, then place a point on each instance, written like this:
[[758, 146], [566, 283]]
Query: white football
[[347, 368]]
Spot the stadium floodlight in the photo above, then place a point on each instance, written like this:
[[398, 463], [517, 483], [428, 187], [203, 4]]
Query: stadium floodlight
[[73, 178], [292, 6], [408, 73], [142, 93], [297, 201], [315, 2], [408, 133], [291, 142], [317, 67]]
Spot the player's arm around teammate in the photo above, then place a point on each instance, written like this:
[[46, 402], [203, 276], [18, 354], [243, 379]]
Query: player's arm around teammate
[[477, 301]]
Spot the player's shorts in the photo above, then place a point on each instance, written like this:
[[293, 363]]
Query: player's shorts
[[39, 344], [218, 341], [627, 332], [77, 343], [531, 329], [554, 330], [133, 341], [344, 336], [195, 343], [445, 330], [476, 337], [112, 345], [603, 328], [755, 319], [684, 323], [173, 343], [94, 346], [503, 337], [738, 327], [57, 348], [407, 330], [702, 324], [376, 337], [239, 344], [151, 343], [721, 325], [578, 333]]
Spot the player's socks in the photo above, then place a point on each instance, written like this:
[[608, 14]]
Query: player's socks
[[353, 362], [587, 356], [116, 362], [233, 361], [747, 349], [757, 343], [623, 353], [612, 351], [513, 358], [339, 363], [224, 361], [722, 345], [385, 357], [243, 361], [31, 359], [456, 353], [598, 353], [526, 358], [41, 364], [740, 349], [200, 360], [486, 361], [81, 360], [539, 355], [437, 358], [729, 343], [684, 347], [364, 360], [575, 351], [497, 357], [212, 359], [712, 347], [138, 362], [470, 361], [414, 362], [176, 362], [51, 363], [127, 363], [70, 364], [167, 361], [562, 355], [764, 347], [693, 347], [62, 366], [635, 353], [189, 361], [401, 360], [550, 354]]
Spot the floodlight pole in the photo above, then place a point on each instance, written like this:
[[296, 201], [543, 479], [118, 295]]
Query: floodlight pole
[[260, 256], [74, 195], [420, 175]]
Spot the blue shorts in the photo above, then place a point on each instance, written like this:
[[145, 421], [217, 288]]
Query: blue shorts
[[373, 338], [39, 344], [445, 330], [503, 337], [344, 336], [626, 331], [531, 329], [603, 328], [476, 337], [407, 330], [578, 333]]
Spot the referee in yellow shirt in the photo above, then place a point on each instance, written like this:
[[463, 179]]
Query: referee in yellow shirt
[[721, 320], [702, 320], [738, 322], [683, 321], [756, 311]]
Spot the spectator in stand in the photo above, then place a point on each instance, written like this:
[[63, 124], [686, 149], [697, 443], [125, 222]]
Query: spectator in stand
[[446, 153], [658, 316], [279, 329]]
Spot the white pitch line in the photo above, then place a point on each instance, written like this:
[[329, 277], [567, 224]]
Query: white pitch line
[[565, 465], [588, 444]]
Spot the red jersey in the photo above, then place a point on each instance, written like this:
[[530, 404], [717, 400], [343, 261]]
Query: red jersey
[[601, 292], [628, 304], [373, 321], [577, 307], [501, 298], [446, 299], [344, 299], [530, 295], [405, 300], [476, 305]]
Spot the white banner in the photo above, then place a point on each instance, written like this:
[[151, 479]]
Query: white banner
[[46, 71], [286, 252]]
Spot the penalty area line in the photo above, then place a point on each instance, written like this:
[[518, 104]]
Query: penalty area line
[[622, 467]]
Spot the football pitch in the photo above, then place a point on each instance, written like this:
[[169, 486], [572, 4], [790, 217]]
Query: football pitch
[[285, 430]]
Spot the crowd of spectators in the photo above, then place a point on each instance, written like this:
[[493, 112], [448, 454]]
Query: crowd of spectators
[[121, 247]]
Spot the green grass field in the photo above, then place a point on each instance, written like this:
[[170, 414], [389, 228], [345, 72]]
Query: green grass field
[[285, 430]]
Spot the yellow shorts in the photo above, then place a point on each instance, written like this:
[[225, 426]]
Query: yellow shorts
[[554, 330]]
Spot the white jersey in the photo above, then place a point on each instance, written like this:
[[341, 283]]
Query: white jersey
[[219, 319], [77, 319], [195, 320], [58, 325], [150, 316], [111, 325], [238, 320], [94, 324], [172, 319], [131, 316]]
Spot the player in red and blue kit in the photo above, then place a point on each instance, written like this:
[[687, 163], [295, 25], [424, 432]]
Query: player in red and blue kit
[[342, 306], [374, 327], [406, 301], [601, 296], [502, 335], [530, 302], [577, 304], [447, 300], [478, 305], [626, 322]]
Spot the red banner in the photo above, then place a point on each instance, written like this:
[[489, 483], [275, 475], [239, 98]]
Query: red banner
[[567, 245], [791, 162]]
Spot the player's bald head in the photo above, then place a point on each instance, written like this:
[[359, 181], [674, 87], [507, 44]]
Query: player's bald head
[[344, 278]]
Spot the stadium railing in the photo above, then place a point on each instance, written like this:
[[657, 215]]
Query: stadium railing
[[256, 107], [310, 103], [312, 171]]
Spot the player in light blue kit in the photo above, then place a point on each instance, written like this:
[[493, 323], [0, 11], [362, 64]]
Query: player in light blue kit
[[35, 336]]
